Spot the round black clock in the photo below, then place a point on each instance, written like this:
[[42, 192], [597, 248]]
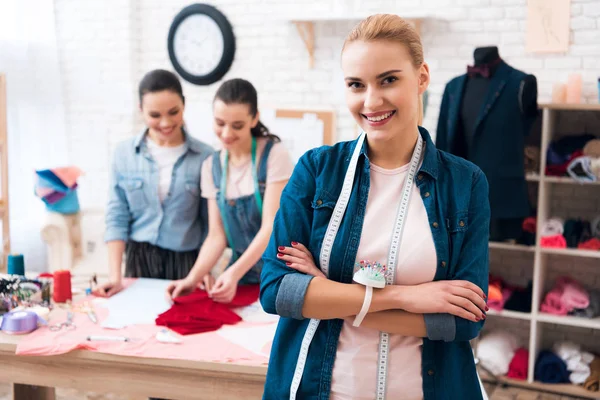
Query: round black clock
[[201, 44]]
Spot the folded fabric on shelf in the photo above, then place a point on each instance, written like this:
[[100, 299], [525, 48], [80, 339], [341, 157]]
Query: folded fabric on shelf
[[520, 299], [590, 244], [556, 242], [593, 309], [577, 361], [566, 296], [197, 313], [496, 350], [592, 383], [552, 227], [495, 286], [550, 368], [518, 365], [498, 305]]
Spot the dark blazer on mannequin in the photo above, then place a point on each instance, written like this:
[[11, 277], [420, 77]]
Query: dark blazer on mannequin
[[499, 140]]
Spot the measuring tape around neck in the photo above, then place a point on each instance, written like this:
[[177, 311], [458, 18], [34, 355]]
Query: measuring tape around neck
[[327, 246]]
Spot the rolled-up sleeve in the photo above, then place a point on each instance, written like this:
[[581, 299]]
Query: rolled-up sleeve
[[118, 216], [282, 289], [472, 266]]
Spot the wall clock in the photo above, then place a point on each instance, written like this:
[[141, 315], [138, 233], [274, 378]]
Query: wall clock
[[201, 44]]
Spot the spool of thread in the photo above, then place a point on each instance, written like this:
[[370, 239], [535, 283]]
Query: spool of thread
[[16, 264], [19, 322], [62, 286]]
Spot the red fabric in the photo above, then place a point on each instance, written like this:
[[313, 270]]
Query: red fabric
[[561, 169], [197, 313], [530, 224], [591, 244], [555, 241], [518, 365]]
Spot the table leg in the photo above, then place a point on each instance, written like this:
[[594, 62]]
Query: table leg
[[30, 392]]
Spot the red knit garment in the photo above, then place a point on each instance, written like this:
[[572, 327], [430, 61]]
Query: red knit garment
[[197, 313], [518, 365]]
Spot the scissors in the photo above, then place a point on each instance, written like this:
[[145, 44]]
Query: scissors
[[68, 325]]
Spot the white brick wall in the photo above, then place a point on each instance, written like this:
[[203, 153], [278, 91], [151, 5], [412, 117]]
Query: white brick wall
[[105, 48]]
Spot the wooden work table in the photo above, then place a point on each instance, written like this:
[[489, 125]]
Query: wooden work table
[[36, 377]]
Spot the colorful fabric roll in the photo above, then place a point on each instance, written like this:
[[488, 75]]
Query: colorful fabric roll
[[566, 296], [550, 368], [592, 148], [518, 365], [577, 361]]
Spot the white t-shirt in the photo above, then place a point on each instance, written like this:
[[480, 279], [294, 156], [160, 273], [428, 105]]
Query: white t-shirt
[[240, 182], [355, 369], [165, 157]]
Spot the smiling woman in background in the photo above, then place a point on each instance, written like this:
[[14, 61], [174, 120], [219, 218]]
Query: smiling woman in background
[[243, 184], [155, 214]]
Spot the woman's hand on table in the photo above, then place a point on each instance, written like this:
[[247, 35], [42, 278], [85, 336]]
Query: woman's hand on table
[[108, 289], [299, 258], [225, 287], [181, 287]]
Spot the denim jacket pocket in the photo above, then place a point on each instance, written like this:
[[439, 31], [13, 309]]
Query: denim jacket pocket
[[134, 191], [323, 204], [457, 224]]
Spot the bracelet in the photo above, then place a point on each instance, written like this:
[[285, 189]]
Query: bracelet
[[371, 275]]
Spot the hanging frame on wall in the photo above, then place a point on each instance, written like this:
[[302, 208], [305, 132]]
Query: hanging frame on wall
[[201, 44]]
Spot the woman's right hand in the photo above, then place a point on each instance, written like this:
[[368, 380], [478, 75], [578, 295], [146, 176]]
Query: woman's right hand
[[181, 287], [461, 298], [108, 289]]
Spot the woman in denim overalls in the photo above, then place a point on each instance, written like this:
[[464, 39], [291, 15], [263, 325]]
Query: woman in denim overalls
[[243, 184]]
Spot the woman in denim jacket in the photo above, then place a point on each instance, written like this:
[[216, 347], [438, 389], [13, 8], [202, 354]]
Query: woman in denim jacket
[[243, 185], [407, 222], [155, 215]]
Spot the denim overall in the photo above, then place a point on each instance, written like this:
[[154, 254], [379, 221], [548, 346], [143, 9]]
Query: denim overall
[[241, 216]]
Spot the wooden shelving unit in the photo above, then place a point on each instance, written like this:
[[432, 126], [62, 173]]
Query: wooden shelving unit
[[4, 174], [540, 323]]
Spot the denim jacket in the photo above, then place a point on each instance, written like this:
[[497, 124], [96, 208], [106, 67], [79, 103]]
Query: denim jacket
[[134, 211], [455, 195]]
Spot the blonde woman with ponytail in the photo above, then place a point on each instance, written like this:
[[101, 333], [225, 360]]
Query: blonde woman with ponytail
[[378, 261]]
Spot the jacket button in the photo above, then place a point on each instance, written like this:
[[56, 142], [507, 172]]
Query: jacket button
[[443, 264], [426, 194], [319, 202], [430, 372], [420, 177], [435, 224], [462, 223], [232, 203]]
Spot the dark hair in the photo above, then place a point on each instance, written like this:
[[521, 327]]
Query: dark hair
[[159, 80], [240, 91]]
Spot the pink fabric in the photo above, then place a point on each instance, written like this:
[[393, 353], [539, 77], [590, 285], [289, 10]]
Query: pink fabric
[[68, 175], [555, 241], [553, 304], [355, 369], [566, 296], [573, 294], [208, 346], [240, 182]]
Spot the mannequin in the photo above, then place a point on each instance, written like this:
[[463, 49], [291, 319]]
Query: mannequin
[[485, 117]]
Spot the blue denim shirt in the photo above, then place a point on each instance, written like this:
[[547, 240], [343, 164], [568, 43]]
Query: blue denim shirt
[[134, 211], [455, 195]]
